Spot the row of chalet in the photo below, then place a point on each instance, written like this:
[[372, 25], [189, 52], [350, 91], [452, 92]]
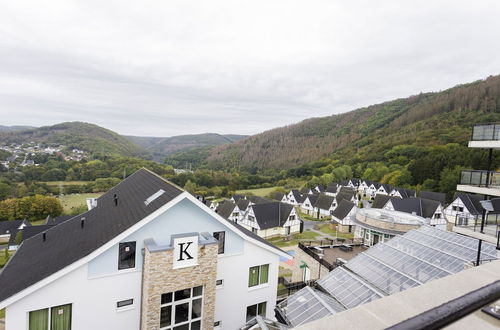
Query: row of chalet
[[264, 217]]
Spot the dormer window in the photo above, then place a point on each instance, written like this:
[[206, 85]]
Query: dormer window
[[126, 258]]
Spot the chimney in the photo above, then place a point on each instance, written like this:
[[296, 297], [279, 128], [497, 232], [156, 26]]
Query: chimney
[[82, 222], [44, 236], [116, 199]]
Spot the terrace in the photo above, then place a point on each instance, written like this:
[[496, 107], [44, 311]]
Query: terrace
[[485, 136]]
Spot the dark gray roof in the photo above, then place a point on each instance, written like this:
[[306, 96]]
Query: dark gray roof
[[320, 188], [57, 220], [435, 196], [278, 196], [304, 190], [343, 209], [355, 181], [420, 206], [344, 195], [225, 209], [271, 215], [31, 231], [332, 188], [67, 242], [312, 198], [376, 184], [296, 195], [259, 200], [472, 202], [10, 227], [324, 202], [387, 187], [344, 182], [368, 182], [380, 200], [347, 190], [243, 204], [238, 197], [406, 193]]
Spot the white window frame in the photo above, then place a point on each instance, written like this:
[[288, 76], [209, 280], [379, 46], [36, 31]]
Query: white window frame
[[189, 300]]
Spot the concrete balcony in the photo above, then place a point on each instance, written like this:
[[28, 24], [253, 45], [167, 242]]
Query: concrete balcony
[[485, 136], [480, 182], [471, 226]]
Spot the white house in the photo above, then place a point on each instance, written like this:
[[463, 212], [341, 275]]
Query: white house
[[8, 231], [307, 206], [343, 215], [230, 211], [272, 219], [402, 193], [371, 191], [464, 210], [425, 208], [332, 189], [324, 206], [148, 256], [384, 189], [293, 197]]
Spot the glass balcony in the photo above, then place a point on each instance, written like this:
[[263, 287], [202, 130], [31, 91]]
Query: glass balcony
[[486, 132], [480, 178]]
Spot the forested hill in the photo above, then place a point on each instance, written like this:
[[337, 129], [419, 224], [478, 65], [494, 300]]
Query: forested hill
[[83, 136], [425, 119]]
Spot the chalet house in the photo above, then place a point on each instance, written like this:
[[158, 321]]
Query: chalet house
[[384, 189], [278, 196], [148, 256], [343, 215], [259, 200], [230, 211], [320, 189], [372, 189], [243, 205], [272, 219], [332, 189], [465, 209], [403, 193], [307, 206], [236, 198], [293, 197], [349, 196], [435, 196], [8, 231], [426, 208], [324, 206], [306, 191], [380, 201]]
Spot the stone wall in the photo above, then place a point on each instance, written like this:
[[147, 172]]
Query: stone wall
[[159, 278], [297, 272]]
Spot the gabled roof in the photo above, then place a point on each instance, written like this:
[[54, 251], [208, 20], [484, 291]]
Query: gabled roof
[[271, 215], [259, 200], [278, 196], [332, 187], [471, 202], [387, 187], [226, 208], [367, 182], [405, 193], [355, 181], [324, 202], [238, 197], [380, 200], [420, 206], [31, 231], [320, 188], [344, 195], [343, 209], [57, 220], [347, 190], [376, 184], [344, 182], [312, 198], [296, 194], [435, 196], [11, 226], [243, 204], [304, 190], [68, 242]]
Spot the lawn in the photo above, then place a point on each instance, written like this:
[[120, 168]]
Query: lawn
[[294, 240], [2, 257], [330, 230], [262, 192], [304, 216], [73, 201]]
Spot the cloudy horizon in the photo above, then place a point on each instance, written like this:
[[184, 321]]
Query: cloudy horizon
[[156, 68]]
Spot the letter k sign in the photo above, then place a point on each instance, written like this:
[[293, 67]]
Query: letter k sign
[[185, 252]]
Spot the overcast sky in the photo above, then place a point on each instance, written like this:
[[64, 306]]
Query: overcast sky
[[163, 68]]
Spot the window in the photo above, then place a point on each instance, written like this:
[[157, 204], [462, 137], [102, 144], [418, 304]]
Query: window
[[437, 216], [182, 309], [59, 318], [126, 255], [251, 218], [220, 236], [124, 303], [254, 230], [292, 217], [258, 275], [257, 309], [217, 324], [219, 282]]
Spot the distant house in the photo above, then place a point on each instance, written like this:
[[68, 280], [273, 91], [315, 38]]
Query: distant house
[[343, 215], [293, 197], [8, 231], [320, 189], [236, 198], [403, 193], [57, 220], [384, 189], [465, 209], [243, 205], [272, 219], [364, 186], [324, 206], [372, 189], [229, 210], [347, 190], [380, 201], [332, 189], [307, 206], [259, 200], [435, 196], [278, 196], [349, 196], [426, 208]]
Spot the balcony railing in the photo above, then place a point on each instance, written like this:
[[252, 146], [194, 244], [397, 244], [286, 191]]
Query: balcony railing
[[480, 178], [486, 132], [491, 225]]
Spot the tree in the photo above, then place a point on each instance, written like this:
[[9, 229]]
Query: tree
[[19, 237], [449, 180]]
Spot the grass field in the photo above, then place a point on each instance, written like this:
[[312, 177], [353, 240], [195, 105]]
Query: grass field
[[262, 192], [306, 235], [73, 201], [330, 230], [2, 257], [65, 183]]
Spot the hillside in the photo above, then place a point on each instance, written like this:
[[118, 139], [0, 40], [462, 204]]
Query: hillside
[[14, 128], [424, 120], [161, 147], [84, 136]]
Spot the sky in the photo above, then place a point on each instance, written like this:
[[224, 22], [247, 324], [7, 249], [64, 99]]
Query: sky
[[164, 68]]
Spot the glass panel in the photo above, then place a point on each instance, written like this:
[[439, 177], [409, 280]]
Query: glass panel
[[182, 327], [251, 312], [182, 294], [165, 316], [181, 313], [264, 273], [253, 277], [220, 236], [166, 298], [196, 325], [126, 255], [60, 317], [125, 303], [262, 309], [39, 320], [197, 291], [196, 309]]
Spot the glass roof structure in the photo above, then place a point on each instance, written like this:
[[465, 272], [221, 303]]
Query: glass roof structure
[[403, 262]]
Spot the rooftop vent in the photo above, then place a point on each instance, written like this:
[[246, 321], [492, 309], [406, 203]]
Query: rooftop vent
[[44, 236], [82, 222], [154, 196], [115, 197]]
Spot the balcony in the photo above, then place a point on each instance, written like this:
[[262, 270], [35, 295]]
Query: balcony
[[485, 136], [471, 226], [480, 182]]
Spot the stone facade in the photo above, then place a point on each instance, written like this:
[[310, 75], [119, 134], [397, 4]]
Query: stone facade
[[159, 278], [314, 266]]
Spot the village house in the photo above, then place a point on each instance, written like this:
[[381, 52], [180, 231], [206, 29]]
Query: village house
[[230, 211], [425, 208], [403, 193], [148, 256], [466, 209], [332, 189], [435, 196], [343, 216], [324, 206], [384, 189], [272, 219], [307, 206], [8, 231], [293, 197]]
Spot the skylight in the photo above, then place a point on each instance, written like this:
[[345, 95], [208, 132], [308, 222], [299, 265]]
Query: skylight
[[154, 196]]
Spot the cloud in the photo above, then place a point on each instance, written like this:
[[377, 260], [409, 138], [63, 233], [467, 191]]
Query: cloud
[[181, 67]]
